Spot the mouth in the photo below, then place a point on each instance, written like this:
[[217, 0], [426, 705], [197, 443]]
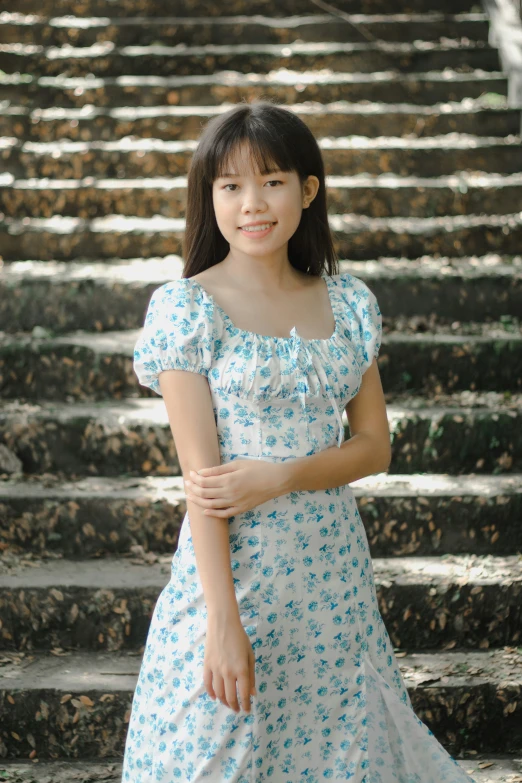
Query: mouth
[[256, 232]]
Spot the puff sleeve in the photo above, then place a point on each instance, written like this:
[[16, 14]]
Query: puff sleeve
[[365, 319], [177, 334]]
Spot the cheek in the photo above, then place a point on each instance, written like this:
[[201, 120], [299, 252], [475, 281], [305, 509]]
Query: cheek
[[222, 210], [288, 205], [290, 212]]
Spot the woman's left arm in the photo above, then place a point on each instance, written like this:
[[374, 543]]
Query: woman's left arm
[[367, 451], [241, 485]]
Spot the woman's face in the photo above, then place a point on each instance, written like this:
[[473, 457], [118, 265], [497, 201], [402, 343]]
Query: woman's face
[[272, 201]]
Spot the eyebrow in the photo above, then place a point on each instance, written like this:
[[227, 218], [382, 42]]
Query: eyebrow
[[233, 174]]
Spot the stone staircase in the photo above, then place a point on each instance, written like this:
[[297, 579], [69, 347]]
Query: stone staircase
[[101, 103]]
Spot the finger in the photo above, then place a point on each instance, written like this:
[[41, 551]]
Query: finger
[[226, 512], [252, 664], [217, 469], [211, 503], [231, 693], [219, 688], [196, 501], [205, 481], [206, 492], [208, 488], [207, 681], [243, 686], [206, 473]]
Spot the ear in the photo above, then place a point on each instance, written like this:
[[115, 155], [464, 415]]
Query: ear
[[310, 188]]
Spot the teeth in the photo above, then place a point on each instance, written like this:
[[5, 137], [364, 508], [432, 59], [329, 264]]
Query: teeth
[[257, 228]]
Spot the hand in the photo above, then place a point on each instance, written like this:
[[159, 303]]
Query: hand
[[235, 487], [229, 664]]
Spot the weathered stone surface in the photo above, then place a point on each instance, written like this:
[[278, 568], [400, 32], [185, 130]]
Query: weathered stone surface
[[98, 604], [485, 768], [453, 440], [285, 87], [467, 601], [9, 463], [403, 515], [382, 196], [424, 192], [91, 367], [130, 158], [134, 436], [205, 8], [415, 295], [430, 26], [102, 440], [162, 60], [357, 237], [44, 692], [342, 118]]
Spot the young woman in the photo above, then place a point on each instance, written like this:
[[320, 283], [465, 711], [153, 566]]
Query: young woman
[[271, 605]]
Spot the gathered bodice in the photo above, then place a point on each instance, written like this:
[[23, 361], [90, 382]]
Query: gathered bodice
[[273, 397]]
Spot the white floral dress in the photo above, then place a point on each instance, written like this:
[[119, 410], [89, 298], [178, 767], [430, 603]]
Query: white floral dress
[[331, 703]]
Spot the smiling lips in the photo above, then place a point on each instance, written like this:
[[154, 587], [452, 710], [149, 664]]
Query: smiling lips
[[257, 229]]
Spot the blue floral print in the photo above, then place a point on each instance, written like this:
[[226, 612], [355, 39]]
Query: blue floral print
[[331, 703]]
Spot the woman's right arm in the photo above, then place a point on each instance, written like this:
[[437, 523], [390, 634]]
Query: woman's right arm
[[191, 417]]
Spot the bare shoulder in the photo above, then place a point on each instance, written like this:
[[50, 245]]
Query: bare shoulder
[[212, 279]]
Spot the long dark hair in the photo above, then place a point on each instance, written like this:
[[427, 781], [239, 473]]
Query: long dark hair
[[278, 140]]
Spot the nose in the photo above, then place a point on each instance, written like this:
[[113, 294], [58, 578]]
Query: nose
[[253, 201]]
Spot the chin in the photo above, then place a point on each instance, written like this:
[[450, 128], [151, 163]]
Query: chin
[[260, 249]]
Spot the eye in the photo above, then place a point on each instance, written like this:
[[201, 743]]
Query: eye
[[274, 180], [230, 185]]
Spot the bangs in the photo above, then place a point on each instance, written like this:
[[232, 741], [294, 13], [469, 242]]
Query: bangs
[[248, 148]]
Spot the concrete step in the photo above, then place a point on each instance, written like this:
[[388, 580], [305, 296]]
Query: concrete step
[[103, 59], [487, 115], [202, 8], [76, 705], [469, 601], [69, 705], [414, 294], [84, 555], [284, 86], [129, 158], [133, 437], [203, 31], [86, 366], [355, 236], [381, 196], [404, 515], [485, 768]]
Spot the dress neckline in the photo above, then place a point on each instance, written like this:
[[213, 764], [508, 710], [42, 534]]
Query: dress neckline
[[276, 338]]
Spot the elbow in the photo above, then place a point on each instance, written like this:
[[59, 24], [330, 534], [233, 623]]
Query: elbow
[[385, 466], [385, 460]]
